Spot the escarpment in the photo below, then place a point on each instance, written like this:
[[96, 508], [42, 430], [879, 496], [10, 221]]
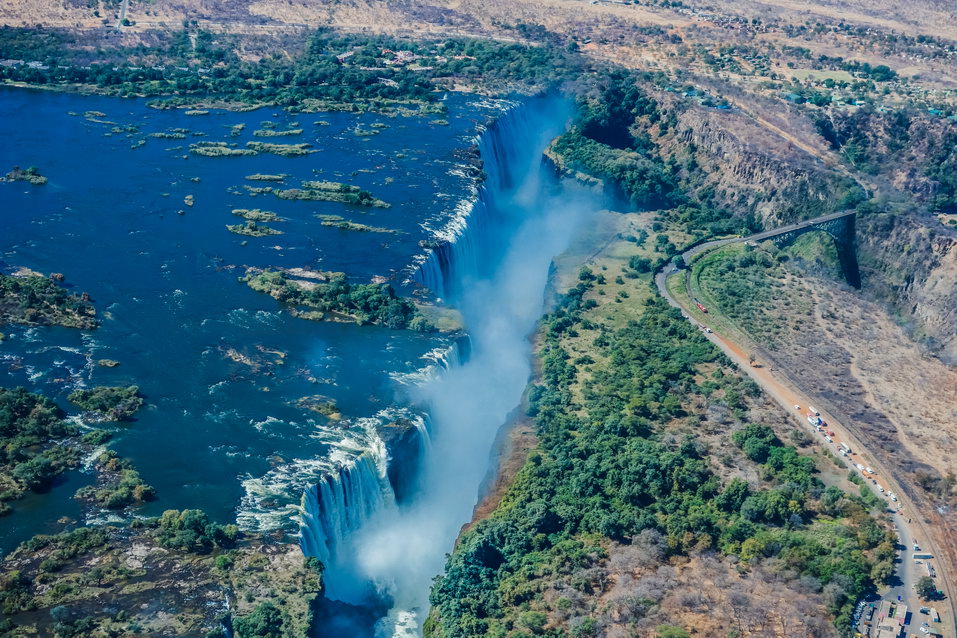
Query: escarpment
[[909, 263], [908, 258], [736, 163]]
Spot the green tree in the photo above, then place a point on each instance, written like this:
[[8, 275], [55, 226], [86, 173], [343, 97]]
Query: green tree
[[534, 621], [926, 588], [264, 622]]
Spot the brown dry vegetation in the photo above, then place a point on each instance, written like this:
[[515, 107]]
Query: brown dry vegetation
[[619, 32], [702, 591], [849, 351]]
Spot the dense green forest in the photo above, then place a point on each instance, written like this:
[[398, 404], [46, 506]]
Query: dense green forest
[[610, 140], [353, 72], [604, 471], [605, 143], [114, 403], [876, 141], [37, 300], [31, 427]]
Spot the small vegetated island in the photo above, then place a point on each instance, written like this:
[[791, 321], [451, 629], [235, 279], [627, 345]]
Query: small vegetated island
[[252, 226], [37, 444], [323, 191], [336, 221], [34, 300], [267, 177], [271, 132], [224, 149], [30, 174], [170, 134], [335, 299], [109, 403], [257, 215], [218, 149], [32, 429], [252, 229], [285, 150]]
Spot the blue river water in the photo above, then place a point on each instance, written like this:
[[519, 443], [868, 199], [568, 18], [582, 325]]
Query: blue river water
[[220, 365]]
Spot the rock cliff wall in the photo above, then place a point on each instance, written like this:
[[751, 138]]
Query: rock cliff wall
[[908, 258]]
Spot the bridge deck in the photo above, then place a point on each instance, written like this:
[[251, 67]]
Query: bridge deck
[[798, 226], [767, 234]]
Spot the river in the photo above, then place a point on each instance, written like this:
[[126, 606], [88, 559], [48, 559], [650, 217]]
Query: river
[[379, 495]]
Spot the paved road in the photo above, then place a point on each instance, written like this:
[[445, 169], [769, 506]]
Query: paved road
[[783, 388]]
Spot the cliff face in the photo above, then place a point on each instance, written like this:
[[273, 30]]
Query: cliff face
[[908, 260], [404, 444], [912, 152], [726, 156], [909, 263]]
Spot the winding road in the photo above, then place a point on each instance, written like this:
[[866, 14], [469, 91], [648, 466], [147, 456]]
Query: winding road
[[786, 391]]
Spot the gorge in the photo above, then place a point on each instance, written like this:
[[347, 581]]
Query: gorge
[[494, 268]]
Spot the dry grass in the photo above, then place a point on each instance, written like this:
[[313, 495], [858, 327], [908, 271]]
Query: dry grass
[[917, 393], [709, 594]]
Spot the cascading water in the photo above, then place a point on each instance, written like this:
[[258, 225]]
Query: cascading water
[[494, 264], [466, 248], [339, 504]]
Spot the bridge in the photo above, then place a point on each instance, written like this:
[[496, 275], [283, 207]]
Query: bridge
[[840, 226]]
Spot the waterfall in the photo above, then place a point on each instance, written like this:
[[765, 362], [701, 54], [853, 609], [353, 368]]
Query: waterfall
[[493, 261], [339, 504], [371, 467], [465, 249], [343, 499]]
